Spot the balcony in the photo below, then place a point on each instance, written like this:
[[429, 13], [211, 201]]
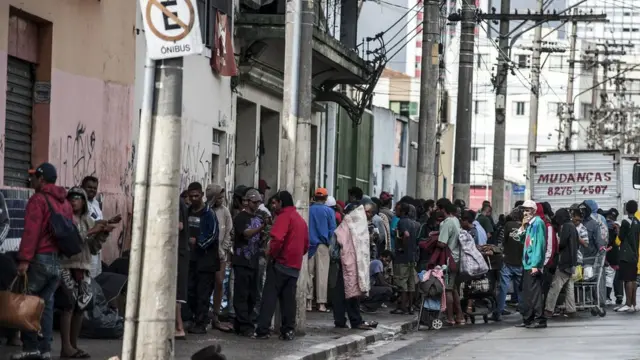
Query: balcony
[[260, 39]]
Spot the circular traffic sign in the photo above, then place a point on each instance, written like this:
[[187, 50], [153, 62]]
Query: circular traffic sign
[[186, 28]]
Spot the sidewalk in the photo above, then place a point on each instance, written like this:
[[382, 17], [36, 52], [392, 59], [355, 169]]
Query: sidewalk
[[322, 341]]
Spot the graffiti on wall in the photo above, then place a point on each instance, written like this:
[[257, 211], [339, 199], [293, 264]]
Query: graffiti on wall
[[83, 152], [196, 165], [77, 155]]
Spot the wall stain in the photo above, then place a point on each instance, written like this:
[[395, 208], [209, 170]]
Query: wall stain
[[229, 165]]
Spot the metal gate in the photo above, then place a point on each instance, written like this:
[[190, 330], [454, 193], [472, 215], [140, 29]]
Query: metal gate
[[17, 141]]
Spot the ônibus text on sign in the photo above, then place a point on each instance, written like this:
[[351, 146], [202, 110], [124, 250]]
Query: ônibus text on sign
[[172, 28]]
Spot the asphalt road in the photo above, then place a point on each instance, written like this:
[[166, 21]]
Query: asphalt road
[[614, 337]]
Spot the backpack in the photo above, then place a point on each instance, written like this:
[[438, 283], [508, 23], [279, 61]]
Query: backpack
[[604, 229], [629, 245], [472, 264], [65, 232], [432, 288]]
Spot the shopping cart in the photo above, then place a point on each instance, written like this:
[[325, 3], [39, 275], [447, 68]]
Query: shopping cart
[[588, 290]]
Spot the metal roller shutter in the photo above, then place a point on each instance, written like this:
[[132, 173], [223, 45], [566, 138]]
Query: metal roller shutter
[[17, 142]]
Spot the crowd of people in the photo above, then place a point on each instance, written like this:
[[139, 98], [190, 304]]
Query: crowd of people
[[252, 252], [49, 273]]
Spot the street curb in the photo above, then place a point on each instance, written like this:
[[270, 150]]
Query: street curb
[[351, 342]]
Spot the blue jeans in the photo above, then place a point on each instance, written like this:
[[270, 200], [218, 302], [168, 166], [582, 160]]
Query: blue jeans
[[509, 273], [43, 276]]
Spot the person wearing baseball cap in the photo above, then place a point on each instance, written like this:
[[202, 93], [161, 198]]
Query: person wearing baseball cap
[[322, 224], [248, 229], [39, 247], [532, 234]]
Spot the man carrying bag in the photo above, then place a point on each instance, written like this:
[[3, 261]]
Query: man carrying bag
[[38, 254]]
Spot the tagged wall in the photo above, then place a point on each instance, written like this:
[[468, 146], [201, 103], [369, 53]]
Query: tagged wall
[[92, 136], [207, 104]]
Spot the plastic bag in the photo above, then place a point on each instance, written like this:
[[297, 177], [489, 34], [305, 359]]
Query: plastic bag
[[101, 322], [577, 275], [588, 273]]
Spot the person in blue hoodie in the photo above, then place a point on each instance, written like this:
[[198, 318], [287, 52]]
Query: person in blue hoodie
[[532, 234], [322, 224], [596, 226], [204, 260]]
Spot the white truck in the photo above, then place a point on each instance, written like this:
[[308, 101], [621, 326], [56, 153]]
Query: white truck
[[563, 178]]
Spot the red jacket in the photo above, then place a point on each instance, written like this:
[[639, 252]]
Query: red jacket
[[289, 238], [37, 238]]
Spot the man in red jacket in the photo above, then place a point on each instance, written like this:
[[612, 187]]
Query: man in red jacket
[[289, 243], [38, 255]]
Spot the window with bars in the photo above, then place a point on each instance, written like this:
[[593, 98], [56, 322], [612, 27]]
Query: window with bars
[[477, 153], [518, 156], [519, 108]]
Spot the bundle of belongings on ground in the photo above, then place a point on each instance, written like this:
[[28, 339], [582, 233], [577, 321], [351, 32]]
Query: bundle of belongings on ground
[[102, 318]]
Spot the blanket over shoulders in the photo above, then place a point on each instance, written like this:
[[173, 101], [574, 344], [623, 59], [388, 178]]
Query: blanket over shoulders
[[353, 237]]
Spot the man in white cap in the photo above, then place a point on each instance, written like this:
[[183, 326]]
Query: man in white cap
[[532, 233]]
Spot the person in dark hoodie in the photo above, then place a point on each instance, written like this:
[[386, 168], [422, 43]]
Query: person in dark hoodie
[[511, 271], [613, 256], [38, 255], [598, 240], [204, 260], [567, 260]]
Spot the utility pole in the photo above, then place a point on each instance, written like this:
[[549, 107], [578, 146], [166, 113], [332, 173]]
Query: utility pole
[[498, 183], [463, 140], [154, 329], [462, 167], [568, 118], [427, 134], [297, 123], [532, 142], [141, 189], [595, 93]]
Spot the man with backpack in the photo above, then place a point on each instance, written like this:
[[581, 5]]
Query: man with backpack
[[38, 254]]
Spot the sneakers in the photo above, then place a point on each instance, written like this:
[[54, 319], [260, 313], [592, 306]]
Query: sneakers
[[537, 325], [288, 336], [46, 356], [632, 309], [623, 308], [28, 355], [261, 336]]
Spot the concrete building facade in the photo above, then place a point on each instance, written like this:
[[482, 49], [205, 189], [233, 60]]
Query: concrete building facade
[[66, 96]]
